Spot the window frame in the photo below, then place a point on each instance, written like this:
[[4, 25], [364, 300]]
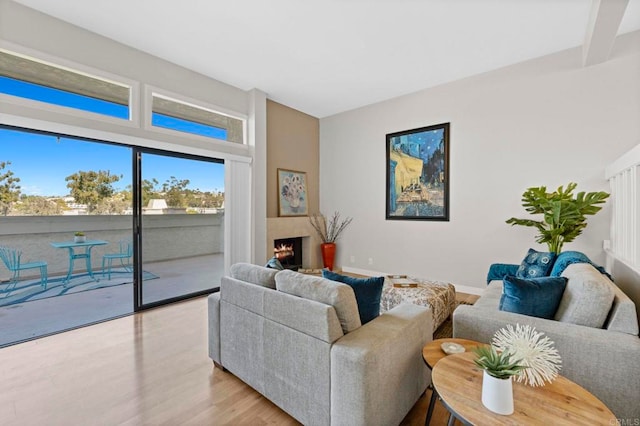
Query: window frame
[[151, 91], [74, 67]]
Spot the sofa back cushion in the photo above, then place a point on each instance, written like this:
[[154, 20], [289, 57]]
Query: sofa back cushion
[[338, 295], [587, 298], [622, 317], [254, 274]]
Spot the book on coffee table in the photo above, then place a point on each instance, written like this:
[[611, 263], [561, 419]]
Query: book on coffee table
[[402, 281]]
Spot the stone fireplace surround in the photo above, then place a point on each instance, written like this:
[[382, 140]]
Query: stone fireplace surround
[[292, 227]]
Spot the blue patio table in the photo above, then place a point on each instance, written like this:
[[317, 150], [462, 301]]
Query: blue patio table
[[86, 255]]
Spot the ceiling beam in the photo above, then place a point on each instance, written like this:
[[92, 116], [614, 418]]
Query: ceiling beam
[[604, 22]]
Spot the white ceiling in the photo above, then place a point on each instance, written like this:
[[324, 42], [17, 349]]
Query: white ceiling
[[327, 56]]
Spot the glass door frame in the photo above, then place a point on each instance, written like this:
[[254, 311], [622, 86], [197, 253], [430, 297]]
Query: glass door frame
[[137, 228]]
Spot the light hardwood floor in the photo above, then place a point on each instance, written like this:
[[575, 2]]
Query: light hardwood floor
[[150, 368]]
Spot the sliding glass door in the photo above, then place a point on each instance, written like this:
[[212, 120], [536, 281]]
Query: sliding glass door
[[65, 203], [181, 236], [109, 229]]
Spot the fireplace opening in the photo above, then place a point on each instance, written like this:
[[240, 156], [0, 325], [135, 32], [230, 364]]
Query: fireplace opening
[[289, 252]]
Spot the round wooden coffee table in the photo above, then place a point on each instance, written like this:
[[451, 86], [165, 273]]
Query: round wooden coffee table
[[432, 353], [459, 384]]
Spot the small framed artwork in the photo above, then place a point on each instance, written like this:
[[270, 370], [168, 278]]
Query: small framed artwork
[[292, 193], [418, 174]]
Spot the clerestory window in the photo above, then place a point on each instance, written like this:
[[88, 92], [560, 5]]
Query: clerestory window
[[37, 80], [186, 117]]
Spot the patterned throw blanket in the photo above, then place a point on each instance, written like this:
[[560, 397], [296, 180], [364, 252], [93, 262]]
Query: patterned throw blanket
[[567, 258], [439, 296]]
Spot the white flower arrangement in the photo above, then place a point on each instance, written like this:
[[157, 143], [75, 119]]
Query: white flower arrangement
[[535, 352]]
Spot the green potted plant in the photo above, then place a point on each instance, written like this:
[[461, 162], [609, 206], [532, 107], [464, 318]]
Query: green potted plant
[[497, 387], [564, 215], [79, 237]]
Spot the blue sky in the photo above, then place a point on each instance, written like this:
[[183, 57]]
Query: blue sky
[[42, 162]]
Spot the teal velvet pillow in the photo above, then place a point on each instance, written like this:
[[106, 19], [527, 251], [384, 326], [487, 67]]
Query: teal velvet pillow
[[537, 297], [536, 264], [368, 293]]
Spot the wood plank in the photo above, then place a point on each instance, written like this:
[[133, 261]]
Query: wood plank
[[147, 368]]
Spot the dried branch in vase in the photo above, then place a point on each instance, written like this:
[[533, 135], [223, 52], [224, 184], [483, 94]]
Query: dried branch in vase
[[330, 230]]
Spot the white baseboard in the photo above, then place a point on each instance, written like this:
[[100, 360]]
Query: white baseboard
[[459, 288], [366, 272]]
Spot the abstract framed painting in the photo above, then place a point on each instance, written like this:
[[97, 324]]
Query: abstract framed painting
[[292, 193], [418, 174]]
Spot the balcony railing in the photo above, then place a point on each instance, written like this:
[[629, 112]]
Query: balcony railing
[[165, 237]]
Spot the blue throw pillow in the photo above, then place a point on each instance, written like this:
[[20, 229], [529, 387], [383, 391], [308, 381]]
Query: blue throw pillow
[[536, 264], [537, 297], [368, 293]]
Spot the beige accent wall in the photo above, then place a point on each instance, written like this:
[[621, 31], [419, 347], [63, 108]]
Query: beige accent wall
[[293, 139]]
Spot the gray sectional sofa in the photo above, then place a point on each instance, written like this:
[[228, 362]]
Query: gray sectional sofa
[[605, 361], [298, 340]]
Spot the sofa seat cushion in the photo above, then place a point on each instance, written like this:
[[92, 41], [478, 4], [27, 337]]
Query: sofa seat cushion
[[254, 274], [536, 264], [338, 295], [587, 298], [368, 293], [538, 297]]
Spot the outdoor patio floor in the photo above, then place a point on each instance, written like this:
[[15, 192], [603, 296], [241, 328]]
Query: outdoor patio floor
[[27, 320]]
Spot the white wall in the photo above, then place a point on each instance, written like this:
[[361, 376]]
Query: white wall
[[27, 30], [34, 33], [547, 121]]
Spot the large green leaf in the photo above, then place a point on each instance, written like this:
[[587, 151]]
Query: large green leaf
[[564, 216]]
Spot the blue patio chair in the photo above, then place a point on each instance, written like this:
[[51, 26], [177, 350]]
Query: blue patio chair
[[125, 253], [12, 259]]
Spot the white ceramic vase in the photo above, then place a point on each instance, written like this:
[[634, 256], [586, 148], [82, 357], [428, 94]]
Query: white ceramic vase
[[497, 394], [79, 239]]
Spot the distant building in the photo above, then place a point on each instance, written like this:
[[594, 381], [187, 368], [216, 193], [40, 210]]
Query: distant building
[[159, 206], [75, 209]]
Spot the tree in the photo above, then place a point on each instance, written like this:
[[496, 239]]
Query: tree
[[9, 189], [37, 205], [175, 191], [91, 187], [150, 190], [117, 204]]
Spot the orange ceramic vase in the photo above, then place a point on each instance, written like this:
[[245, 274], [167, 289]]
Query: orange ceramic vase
[[328, 254]]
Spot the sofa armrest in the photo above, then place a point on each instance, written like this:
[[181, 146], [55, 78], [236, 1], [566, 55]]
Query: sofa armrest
[[497, 271], [377, 371], [214, 327], [607, 363]]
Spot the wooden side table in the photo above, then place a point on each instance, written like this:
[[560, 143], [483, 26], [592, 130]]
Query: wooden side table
[[432, 353], [459, 384]]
